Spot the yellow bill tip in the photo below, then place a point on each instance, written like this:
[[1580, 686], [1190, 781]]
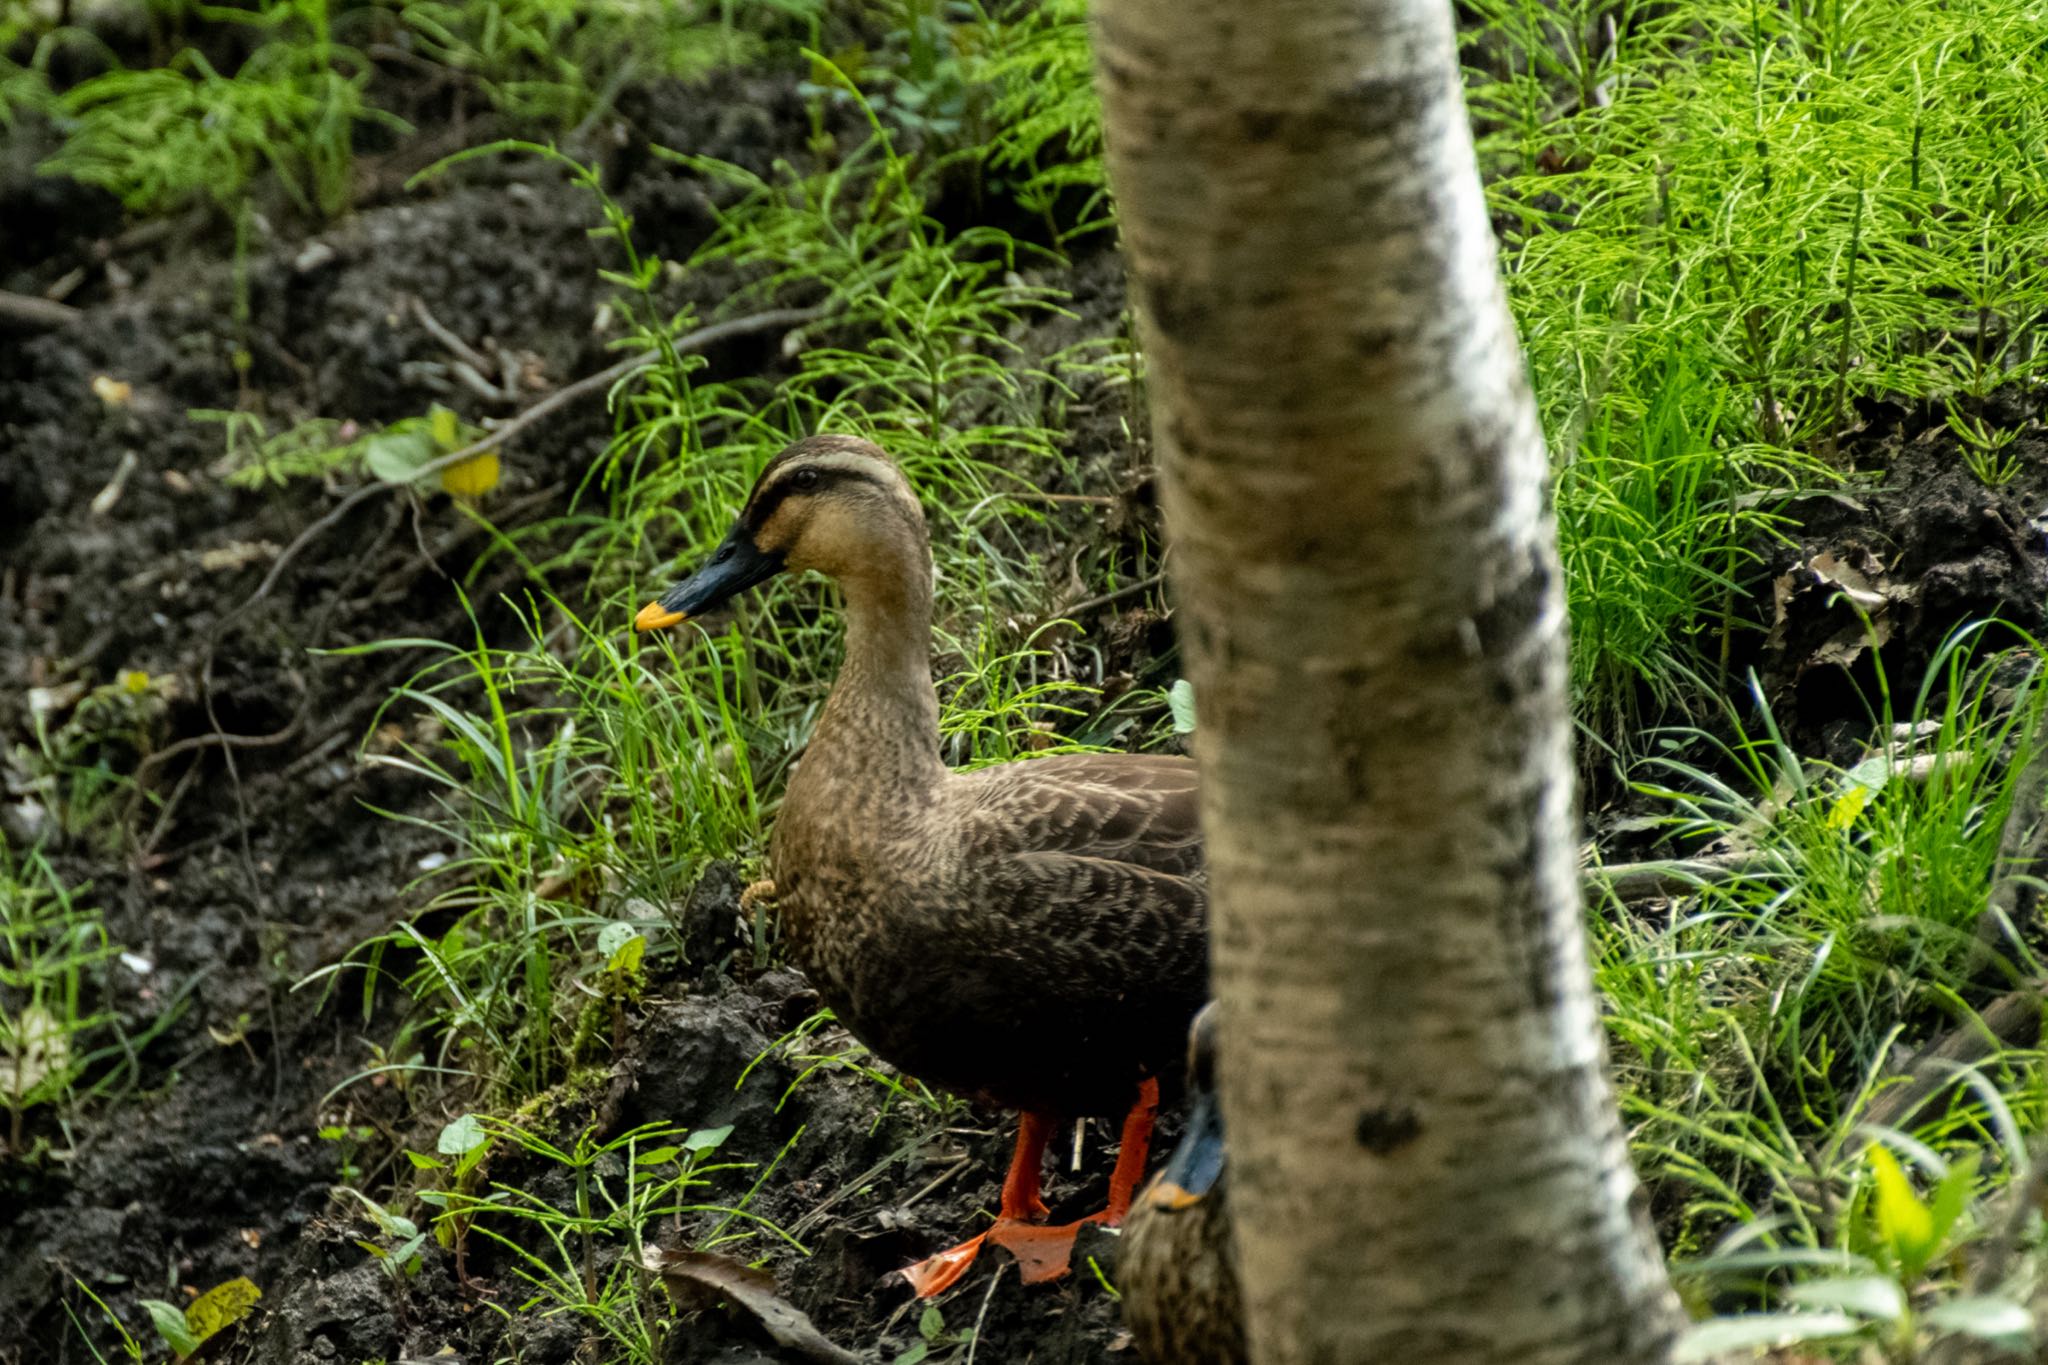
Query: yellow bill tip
[[1171, 1197], [655, 616]]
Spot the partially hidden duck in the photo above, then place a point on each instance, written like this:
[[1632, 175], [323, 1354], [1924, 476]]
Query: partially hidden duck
[[1177, 1266], [1031, 934]]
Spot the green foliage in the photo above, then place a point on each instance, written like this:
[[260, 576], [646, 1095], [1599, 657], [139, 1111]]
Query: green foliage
[[51, 951], [934, 1342], [583, 1255], [84, 745], [1825, 202], [1659, 521], [397, 453], [1044, 141], [1758, 1023], [559, 61], [1873, 1293], [166, 136]]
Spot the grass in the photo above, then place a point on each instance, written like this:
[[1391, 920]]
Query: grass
[[56, 1043]]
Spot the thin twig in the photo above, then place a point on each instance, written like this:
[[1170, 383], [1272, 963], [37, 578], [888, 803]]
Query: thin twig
[[2012, 1020], [442, 333], [1104, 599], [27, 310], [698, 340], [2022, 844], [962, 1164]]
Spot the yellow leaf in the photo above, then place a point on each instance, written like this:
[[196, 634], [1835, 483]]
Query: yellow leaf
[[1902, 1220], [113, 392], [472, 478], [447, 432], [221, 1307], [135, 682], [1848, 806]]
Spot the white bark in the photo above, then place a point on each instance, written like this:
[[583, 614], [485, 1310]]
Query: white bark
[[1426, 1162]]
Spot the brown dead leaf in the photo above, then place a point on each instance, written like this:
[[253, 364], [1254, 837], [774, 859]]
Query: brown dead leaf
[[694, 1278], [1854, 583], [1853, 578]]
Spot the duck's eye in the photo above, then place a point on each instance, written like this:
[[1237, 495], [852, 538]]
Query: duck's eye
[[804, 478], [724, 553]]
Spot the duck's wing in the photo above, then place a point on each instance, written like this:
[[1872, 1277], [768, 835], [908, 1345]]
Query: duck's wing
[[1134, 809], [1086, 870]]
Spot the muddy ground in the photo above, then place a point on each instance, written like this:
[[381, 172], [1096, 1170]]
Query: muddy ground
[[121, 552]]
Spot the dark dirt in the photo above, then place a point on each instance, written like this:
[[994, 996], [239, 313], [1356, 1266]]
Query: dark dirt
[[208, 1165]]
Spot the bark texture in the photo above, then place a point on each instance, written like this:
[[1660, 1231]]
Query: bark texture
[[1426, 1161]]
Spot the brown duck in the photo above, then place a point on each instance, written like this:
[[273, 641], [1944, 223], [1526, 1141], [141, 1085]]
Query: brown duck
[[1177, 1266], [1030, 934]]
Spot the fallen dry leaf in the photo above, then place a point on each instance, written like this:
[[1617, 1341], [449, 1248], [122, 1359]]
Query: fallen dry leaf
[[113, 392], [1855, 577], [695, 1277]]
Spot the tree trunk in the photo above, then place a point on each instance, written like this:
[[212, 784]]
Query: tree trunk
[[1426, 1161]]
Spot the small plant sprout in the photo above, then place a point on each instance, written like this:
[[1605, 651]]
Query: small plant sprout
[[1877, 1291]]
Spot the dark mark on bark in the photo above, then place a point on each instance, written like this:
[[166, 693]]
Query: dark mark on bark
[[1515, 609], [1388, 1128], [1260, 124]]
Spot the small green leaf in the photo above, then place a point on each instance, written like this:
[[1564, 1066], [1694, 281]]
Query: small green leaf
[[615, 938], [422, 1162], [914, 1354], [171, 1326], [1754, 1331], [465, 1134], [626, 961], [656, 1155], [1952, 1194], [707, 1139], [1180, 699], [1984, 1316], [931, 1324], [443, 426], [396, 453], [406, 1254], [1868, 1296], [1905, 1223]]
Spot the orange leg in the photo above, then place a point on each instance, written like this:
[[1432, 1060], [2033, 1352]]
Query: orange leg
[[1021, 1204], [1043, 1253]]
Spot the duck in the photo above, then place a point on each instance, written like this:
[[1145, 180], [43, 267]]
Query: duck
[[1031, 935], [1177, 1259]]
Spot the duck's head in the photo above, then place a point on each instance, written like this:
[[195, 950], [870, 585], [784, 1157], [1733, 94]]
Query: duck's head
[[1196, 1165], [836, 504]]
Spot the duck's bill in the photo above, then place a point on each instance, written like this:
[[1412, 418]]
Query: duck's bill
[[737, 564], [1197, 1164], [655, 616]]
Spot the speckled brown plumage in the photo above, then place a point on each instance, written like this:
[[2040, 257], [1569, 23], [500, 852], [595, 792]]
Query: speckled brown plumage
[[1031, 933], [1176, 1266], [1179, 1283]]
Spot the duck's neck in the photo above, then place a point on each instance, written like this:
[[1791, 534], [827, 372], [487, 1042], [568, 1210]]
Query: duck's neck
[[881, 722]]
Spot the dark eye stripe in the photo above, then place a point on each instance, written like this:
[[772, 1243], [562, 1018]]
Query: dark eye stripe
[[768, 499]]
